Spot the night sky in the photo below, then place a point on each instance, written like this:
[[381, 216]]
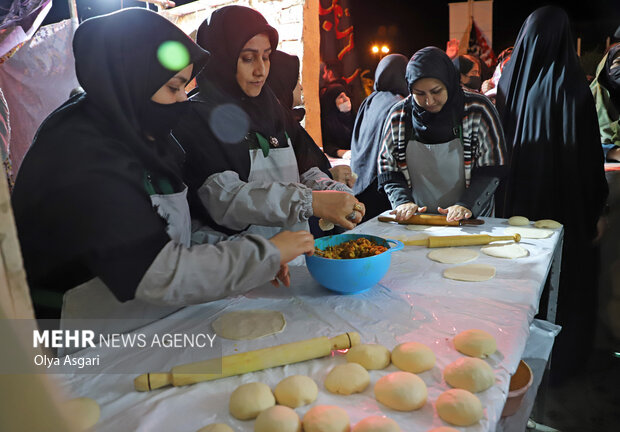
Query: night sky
[[409, 25]]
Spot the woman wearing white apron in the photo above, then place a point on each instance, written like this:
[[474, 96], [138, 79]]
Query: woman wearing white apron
[[443, 148], [101, 211], [247, 168]]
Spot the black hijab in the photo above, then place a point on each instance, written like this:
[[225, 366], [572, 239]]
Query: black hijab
[[551, 128], [433, 128], [390, 87], [120, 74], [329, 95], [610, 79], [283, 77]]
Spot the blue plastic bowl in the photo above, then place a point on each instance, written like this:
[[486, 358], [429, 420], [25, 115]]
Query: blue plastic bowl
[[350, 276]]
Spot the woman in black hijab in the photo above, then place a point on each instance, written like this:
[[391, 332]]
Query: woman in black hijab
[[248, 168], [470, 70], [556, 167], [390, 87], [336, 120], [99, 203], [442, 148], [606, 91]]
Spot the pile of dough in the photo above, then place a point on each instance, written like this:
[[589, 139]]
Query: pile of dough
[[453, 255], [509, 250], [475, 343], [413, 357], [469, 373], [470, 273], [326, 418], [248, 400], [518, 221], [84, 411], [296, 391], [347, 379], [547, 223], [459, 407], [277, 419], [371, 356], [249, 324], [216, 427], [532, 233], [402, 391], [377, 424]]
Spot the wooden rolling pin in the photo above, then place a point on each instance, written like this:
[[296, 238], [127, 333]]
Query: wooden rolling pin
[[238, 364], [459, 240], [429, 219]]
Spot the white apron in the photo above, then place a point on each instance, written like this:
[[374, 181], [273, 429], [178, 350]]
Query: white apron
[[94, 300]]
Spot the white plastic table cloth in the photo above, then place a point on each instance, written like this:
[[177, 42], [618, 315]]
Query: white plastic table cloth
[[413, 302]]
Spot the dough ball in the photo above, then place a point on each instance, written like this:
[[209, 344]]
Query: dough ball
[[444, 429], [459, 407], [326, 418], [216, 427], [326, 225], [469, 373], [475, 343], [402, 391], [347, 378], [377, 424], [470, 273], [510, 251], [248, 400], [277, 419], [84, 410], [371, 356], [518, 221], [296, 391], [249, 324], [413, 357], [547, 223], [532, 233], [453, 255]]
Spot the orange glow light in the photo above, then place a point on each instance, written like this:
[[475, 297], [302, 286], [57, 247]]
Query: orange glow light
[[385, 49], [375, 49]]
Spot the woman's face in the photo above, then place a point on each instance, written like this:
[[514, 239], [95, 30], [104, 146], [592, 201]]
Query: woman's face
[[430, 93], [253, 65], [466, 79], [174, 90]]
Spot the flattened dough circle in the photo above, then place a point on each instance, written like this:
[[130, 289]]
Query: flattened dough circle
[[249, 324], [533, 233], [470, 273], [509, 250], [453, 255], [547, 223]]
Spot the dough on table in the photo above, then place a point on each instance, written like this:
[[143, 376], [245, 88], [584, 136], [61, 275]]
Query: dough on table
[[346, 379], [84, 411], [506, 250], [518, 221], [376, 424], [296, 391], [277, 419], [469, 373], [413, 357], [370, 356], [547, 223], [475, 343], [248, 400], [249, 324], [326, 418], [402, 391], [532, 233], [459, 407], [470, 273], [453, 255], [414, 227], [216, 427]]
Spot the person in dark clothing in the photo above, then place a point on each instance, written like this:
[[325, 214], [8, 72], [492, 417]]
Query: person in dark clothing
[[470, 69], [250, 167], [442, 148], [390, 87], [99, 203], [556, 162], [605, 88], [337, 120]]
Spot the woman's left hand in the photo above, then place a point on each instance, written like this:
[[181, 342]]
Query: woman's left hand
[[455, 212], [343, 174], [283, 276]]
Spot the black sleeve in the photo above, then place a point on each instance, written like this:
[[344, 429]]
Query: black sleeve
[[396, 189]]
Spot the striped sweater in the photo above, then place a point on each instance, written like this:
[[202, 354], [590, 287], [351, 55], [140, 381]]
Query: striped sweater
[[483, 139]]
